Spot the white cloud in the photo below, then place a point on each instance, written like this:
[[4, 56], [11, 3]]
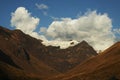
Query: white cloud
[[41, 6], [22, 19], [60, 43], [117, 33], [43, 30], [93, 27]]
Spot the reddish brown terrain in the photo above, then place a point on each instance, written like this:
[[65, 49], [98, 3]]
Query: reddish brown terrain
[[23, 57], [105, 66]]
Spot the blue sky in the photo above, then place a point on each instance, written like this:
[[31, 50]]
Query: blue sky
[[64, 20], [60, 8]]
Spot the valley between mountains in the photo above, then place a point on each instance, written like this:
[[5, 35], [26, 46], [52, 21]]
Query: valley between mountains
[[23, 57]]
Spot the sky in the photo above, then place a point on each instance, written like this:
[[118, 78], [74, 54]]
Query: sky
[[60, 22]]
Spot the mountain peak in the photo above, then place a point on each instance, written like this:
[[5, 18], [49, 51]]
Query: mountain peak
[[84, 42], [33, 57], [84, 45], [53, 56]]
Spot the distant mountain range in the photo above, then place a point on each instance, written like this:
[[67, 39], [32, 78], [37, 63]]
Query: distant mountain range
[[23, 57]]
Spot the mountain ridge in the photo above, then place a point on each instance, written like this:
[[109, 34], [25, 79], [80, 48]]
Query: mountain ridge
[[28, 59], [34, 57], [102, 67]]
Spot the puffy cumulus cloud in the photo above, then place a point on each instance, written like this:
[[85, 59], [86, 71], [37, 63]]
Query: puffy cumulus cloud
[[41, 6], [22, 19], [95, 28]]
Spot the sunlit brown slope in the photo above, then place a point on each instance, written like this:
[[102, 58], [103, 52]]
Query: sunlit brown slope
[[105, 66]]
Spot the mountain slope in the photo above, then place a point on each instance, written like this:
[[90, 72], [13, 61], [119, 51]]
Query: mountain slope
[[8, 72], [24, 57], [105, 66], [5, 58], [16, 44], [15, 55], [65, 59]]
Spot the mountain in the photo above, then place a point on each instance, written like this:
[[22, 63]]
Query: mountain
[[65, 59], [60, 59], [15, 55], [105, 66], [24, 56]]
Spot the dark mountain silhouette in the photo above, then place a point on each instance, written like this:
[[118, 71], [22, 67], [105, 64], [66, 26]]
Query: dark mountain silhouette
[[24, 56], [105, 66]]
